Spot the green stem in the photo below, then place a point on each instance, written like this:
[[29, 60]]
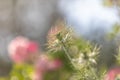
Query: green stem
[[96, 77], [67, 53]]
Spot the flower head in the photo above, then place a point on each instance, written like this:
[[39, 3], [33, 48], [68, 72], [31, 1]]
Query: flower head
[[21, 48]]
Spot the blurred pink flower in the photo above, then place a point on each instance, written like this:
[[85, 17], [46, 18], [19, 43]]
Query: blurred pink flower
[[37, 76], [32, 47], [45, 64], [20, 49], [55, 64], [113, 74], [41, 64]]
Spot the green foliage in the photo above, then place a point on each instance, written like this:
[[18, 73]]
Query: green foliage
[[21, 72], [115, 32]]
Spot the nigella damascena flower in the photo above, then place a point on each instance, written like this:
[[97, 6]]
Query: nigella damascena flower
[[53, 42], [113, 74], [21, 48]]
